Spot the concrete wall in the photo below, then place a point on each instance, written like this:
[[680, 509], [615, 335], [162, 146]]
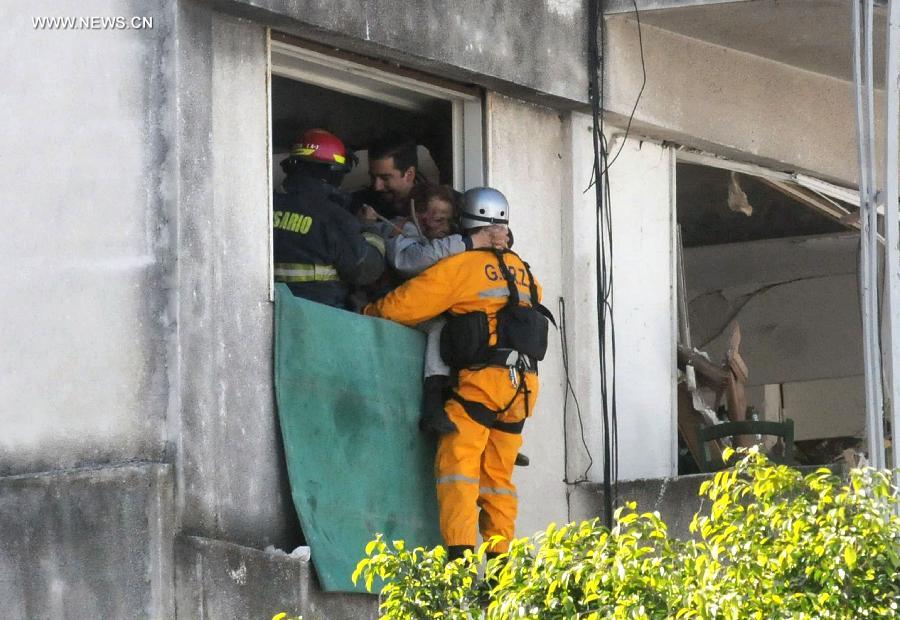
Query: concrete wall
[[797, 303], [643, 216], [222, 580], [532, 48], [86, 263], [526, 141], [88, 543], [232, 479], [138, 323], [731, 102], [579, 289], [558, 158]]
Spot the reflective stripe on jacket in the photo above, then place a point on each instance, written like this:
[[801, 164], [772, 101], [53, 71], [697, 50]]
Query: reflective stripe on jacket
[[305, 272], [466, 282]]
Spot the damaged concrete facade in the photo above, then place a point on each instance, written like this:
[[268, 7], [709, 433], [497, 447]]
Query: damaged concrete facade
[[137, 380]]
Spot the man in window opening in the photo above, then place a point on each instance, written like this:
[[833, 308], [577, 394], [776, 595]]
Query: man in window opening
[[393, 170], [496, 333], [320, 249]]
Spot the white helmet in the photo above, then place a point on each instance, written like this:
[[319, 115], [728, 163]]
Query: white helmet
[[483, 206]]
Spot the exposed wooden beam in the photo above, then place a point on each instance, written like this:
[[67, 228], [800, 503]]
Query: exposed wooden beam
[[811, 200]]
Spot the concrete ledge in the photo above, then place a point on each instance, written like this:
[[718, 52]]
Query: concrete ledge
[[219, 580], [87, 543], [675, 499]]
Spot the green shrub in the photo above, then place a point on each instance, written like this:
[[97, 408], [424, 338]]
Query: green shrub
[[773, 543]]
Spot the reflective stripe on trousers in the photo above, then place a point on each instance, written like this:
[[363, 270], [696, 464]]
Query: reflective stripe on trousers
[[473, 467], [481, 490]]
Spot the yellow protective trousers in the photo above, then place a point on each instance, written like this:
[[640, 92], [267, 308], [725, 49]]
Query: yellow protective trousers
[[473, 467]]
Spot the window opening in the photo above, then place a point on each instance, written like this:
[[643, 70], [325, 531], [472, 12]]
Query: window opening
[[360, 99], [774, 254]]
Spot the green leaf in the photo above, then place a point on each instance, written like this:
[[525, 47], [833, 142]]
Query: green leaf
[[850, 556]]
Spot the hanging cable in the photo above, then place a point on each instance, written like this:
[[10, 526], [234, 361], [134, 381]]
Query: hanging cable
[[637, 99], [604, 272], [564, 339]]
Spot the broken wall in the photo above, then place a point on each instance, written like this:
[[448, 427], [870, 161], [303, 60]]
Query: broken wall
[[797, 303]]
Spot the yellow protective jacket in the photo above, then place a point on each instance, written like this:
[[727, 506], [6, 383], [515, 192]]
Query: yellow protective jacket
[[466, 282], [473, 467]]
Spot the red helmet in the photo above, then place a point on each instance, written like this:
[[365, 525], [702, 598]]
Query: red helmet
[[321, 147]]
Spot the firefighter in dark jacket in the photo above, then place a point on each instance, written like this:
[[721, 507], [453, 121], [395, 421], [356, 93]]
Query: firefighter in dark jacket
[[320, 249], [496, 332]]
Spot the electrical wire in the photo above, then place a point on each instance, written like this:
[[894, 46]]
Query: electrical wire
[[637, 99], [563, 337], [604, 271], [637, 17]]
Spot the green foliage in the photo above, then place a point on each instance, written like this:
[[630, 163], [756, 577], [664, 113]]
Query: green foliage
[[773, 543]]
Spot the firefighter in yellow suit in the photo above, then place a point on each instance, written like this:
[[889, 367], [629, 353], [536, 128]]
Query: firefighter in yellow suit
[[474, 465]]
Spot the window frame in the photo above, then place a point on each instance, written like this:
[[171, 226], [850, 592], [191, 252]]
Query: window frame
[[312, 63]]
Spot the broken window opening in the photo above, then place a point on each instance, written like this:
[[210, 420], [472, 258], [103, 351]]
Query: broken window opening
[[770, 272]]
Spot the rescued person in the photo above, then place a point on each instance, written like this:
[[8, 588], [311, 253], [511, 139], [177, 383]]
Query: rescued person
[[423, 242]]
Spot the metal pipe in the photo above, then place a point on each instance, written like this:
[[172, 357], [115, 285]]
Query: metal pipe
[[892, 228], [877, 378], [861, 80]]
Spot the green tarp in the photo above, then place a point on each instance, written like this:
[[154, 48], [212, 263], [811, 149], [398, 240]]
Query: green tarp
[[348, 389]]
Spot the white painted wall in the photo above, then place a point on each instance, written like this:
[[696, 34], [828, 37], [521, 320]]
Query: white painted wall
[[548, 180], [644, 307], [640, 184], [528, 162], [579, 217]]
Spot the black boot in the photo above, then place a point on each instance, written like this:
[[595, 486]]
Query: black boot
[[522, 460], [455, 552], [434, 419]]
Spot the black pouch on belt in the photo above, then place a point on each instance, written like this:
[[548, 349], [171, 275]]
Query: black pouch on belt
[[523, 329], [464, 340]]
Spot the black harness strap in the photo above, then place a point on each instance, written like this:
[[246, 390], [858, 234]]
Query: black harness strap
[[481, 413], [514, 290], [513, 299], [488, 417]]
